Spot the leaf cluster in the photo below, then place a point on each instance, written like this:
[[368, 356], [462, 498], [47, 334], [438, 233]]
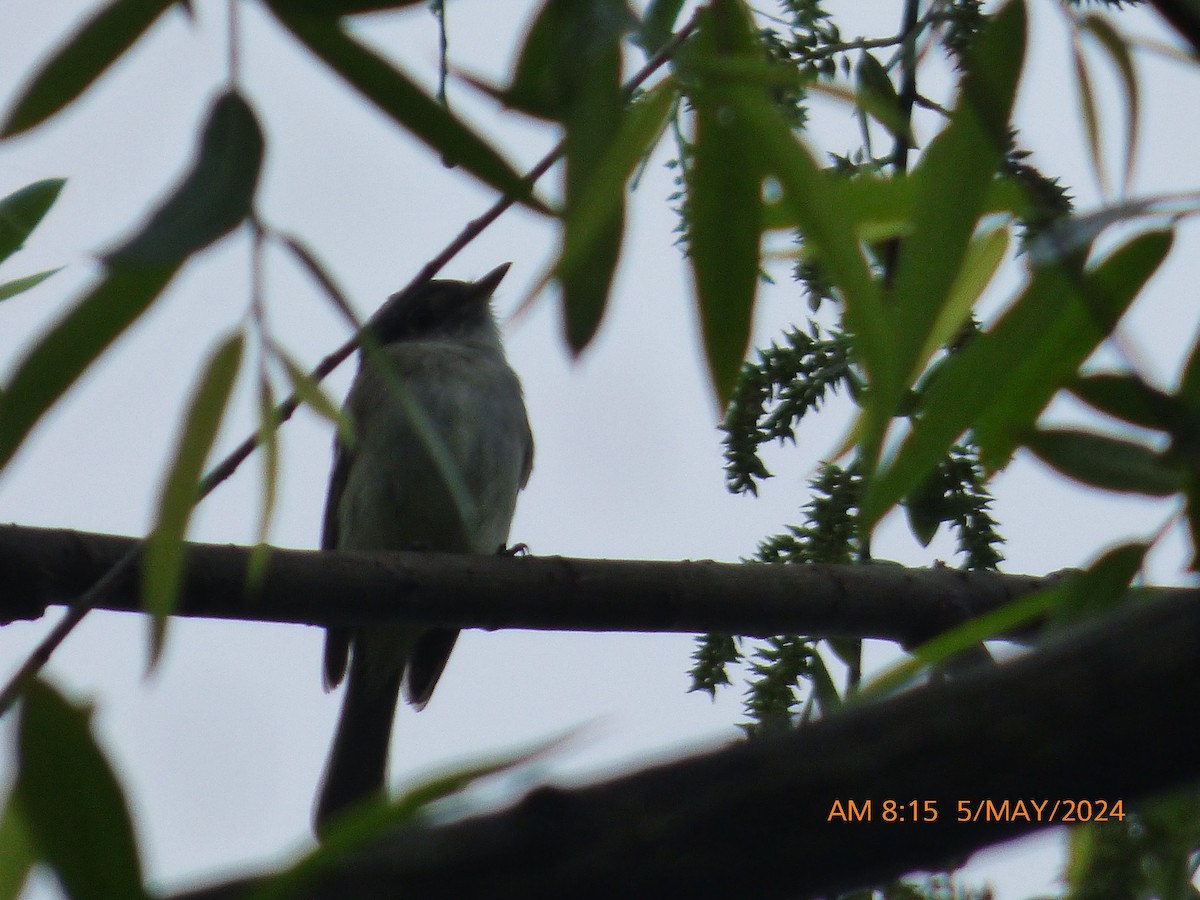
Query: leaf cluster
[[1150, 852], [949, 483], [779, 668], [20, 213], [776, 391], [956, 493]]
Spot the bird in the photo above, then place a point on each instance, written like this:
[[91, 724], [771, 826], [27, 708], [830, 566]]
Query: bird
[[441, 447]]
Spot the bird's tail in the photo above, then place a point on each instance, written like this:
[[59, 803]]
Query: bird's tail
[[358, 762]]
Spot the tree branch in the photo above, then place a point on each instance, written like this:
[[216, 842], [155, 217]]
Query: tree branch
[[41, 566], [1084, 719]]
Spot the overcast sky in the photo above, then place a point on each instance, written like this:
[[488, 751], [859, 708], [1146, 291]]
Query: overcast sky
[[221, 749]]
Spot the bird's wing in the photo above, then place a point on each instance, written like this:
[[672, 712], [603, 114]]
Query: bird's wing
[[337, 640], [527, 462], [342, 457]]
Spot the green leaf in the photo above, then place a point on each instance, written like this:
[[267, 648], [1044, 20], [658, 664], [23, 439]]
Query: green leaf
[[268, 441], [1072, 234], [828, 230], [1098, 588], [1091, 116], [20, 285], [566, 41], [537, 87], [1118, 51], [972, 633], [876, 95], [60, 357], [72, 805], [1189, 384], [569, 71], [657, 24], [724, 201], [591, 84], [406, 104], [321, 275], [1149, 852], [335, 8], [952, 184], [95, 45], [590, 218], [982, 260], [1185, 437], [163, 558], [814, 203], [1103, 587], [1128, 398], [1106, 462], [1052, 359], [887, 202], [847, 650], [214, 197], [873, 80], [823, 687], [924, 508], [21, 211], [827, 227], [1002, 379], [311, 393], [432, 437], [17, 854], [1193, 518]]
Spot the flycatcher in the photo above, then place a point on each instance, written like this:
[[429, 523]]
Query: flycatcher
[[442, 447]]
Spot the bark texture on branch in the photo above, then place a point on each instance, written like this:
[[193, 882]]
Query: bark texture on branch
[[40, 566]]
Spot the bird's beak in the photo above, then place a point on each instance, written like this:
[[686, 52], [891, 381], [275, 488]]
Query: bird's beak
[[487, 285]]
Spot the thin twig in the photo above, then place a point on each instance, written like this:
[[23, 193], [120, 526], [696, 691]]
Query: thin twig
[[908, 84], [439, 12], [848, 46], [926, 103], [94, 595], [235, 47]]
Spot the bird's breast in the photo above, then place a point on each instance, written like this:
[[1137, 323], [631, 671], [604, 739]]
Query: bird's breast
[[440, 452]]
